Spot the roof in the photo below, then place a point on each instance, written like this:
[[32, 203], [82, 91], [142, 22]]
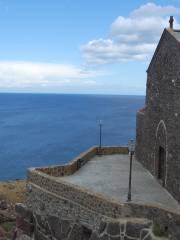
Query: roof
[[174, 32], [177, 34]]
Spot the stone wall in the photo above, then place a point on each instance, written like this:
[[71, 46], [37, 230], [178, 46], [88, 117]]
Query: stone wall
[[57, 210], [55, 227], [78, 162], [71, 167], [46, 215], [158, 124]]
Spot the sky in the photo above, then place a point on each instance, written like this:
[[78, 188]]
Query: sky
[[92, 46]]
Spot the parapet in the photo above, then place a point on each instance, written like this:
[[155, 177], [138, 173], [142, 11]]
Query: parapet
[[63, 206]]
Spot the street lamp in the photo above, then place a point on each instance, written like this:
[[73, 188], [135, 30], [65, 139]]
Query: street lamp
[[131, 148], [100, 136]]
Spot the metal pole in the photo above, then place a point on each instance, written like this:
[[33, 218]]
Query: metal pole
[[130, 177], [100, 138], [100, 134]]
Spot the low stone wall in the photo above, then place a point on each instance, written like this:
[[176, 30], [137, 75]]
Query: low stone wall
[[71, 167], [61, 210], [109, 150], [78, 162]]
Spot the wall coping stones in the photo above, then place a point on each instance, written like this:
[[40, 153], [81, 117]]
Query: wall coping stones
[[79, 161]]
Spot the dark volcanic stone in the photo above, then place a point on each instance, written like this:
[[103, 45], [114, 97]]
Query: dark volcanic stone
[[42, 222], [94, 236], [25, 226], [76, 233], [55, 226], [144, 233], [65, 228], [114, 238], [86, 233], [102, 227], [40, 236], [113, 228], [134, 229], [22, 210], [104, 237]]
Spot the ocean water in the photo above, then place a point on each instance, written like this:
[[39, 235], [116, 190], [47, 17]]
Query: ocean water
[[47, 129]]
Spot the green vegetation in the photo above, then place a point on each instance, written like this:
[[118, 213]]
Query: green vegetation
[[159, 231], [7, 226], [7, 230]]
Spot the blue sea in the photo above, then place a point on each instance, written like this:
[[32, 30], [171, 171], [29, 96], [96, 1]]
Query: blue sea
[[47, 129]]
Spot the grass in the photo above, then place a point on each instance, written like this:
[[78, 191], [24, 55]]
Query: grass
[[13, 191]]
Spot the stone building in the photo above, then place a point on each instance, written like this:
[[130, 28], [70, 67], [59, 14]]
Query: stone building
[[158, 123]]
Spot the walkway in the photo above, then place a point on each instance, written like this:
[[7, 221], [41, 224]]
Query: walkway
[[109, 175]]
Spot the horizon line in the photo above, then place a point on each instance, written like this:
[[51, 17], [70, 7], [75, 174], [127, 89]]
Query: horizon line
[[55, 93]]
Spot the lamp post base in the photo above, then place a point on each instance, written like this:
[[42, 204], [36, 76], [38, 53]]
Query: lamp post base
[[99, 152], [129, 197]]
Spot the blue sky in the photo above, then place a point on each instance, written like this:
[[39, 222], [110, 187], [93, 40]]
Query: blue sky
[[66, 46]]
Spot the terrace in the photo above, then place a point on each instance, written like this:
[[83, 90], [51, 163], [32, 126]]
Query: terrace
[[107, 176]]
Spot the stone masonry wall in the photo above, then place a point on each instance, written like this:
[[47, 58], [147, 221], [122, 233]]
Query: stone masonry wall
[[47, 216], [78, 162], [59, 210], [55, 227], [51, 217], [159, 123]]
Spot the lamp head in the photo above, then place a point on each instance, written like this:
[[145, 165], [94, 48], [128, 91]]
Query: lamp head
[[131, 146]]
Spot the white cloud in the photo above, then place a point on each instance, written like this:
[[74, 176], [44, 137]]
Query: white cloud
[[151, 9], [29, 74], [131, 38]]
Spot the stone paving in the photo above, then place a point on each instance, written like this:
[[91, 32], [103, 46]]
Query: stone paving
[[108, 175]]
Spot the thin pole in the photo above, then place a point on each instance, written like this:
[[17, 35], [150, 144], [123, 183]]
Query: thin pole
[[100, 134], [130, 177]]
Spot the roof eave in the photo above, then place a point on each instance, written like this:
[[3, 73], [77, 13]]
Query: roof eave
[[172, 32], [156, 51]]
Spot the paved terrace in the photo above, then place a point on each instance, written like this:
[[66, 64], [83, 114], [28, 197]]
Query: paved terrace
[[108, 175]]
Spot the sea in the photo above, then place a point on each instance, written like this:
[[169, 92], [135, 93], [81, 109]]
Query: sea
[[49, 129]]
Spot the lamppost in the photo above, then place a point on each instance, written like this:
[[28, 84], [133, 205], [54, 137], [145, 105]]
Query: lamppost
[[100, 136], [131, 148]]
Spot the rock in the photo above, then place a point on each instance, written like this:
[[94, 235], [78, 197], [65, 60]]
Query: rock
[[113, 228], [65, 228], [144, 233], [2, 233], [40, 236], [86, 233], [22, 211], [104, 237], [76, 233], [55, 226], [133, 229], [94, 236], [3, 205], [102, 227], [41, 222]]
